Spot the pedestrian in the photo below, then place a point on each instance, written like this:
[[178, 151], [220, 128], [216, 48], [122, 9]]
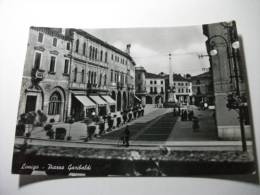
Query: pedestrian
[[124, 117], [118, 120], [130, 115], [190, 115], [101, 126], [126, 136]]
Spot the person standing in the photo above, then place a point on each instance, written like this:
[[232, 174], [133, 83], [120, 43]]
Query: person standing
[[126, 136]]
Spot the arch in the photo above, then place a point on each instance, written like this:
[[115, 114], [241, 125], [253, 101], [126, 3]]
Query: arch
[[113, 94], [119, 101], [56, 105], [124, 101], [149, 99]]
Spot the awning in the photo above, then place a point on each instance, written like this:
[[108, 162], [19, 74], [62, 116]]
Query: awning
[[108, 99], [86, 101], [137, 98], [98, 100]]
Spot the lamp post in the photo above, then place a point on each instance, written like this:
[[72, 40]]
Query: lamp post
[[234, 100]]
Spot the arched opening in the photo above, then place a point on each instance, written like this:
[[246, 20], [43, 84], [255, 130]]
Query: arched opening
[[114, 95], [124, 101], [149, 100], [55, 104], [119, 101]]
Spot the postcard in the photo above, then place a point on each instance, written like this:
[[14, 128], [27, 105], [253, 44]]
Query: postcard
[[155, 102]]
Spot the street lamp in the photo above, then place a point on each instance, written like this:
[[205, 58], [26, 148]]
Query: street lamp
[[235, 101]]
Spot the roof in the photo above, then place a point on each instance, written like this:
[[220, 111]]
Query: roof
[[52, 32], [176, 77], [153, 76], [203, 75], [105, 44]]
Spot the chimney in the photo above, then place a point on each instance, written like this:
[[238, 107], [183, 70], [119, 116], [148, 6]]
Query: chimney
[[128, 46]]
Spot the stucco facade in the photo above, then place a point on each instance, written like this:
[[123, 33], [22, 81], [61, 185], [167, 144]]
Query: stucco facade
[[43, 79], [220, 37]]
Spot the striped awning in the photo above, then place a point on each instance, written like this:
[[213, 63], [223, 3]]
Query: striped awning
[[85, 101], [108, 99], [98, 100]]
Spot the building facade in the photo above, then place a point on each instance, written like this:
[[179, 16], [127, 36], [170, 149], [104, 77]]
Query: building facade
[[100, 73], [182, 87], [223, 62], [155, 88], [46, 74], [140, 84], [70, 73], [202, 89]]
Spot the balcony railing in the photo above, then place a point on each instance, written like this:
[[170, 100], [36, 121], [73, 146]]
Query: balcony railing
[[37, 74]]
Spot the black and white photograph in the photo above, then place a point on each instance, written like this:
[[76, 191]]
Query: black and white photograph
[[135, 102]]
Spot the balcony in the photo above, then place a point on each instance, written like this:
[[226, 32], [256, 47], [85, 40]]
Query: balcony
[[37, 74]]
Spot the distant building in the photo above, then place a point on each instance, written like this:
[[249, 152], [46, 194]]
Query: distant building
[[202, 89], [182, 87], [155, 88], [140, 84]]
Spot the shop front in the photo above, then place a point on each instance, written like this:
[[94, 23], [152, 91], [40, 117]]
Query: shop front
[[101, 105], [82, 107], [111, 104]]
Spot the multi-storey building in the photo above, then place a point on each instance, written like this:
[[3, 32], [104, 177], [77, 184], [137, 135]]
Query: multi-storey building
[[100, 74], [46, 73], [69, 72], [140, 84], [155, 88], [182, 86], [202, 89]]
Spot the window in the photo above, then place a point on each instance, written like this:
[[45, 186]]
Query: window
[[112, 57], [66, 66], [40, 37], [82, 76], [89, 76], [77, 46], [155, 82], [90, 52], [161, 82], [96, 53], [52, 64], [68, 46], [106, 57], [54, 42], [151, 82], [55, 104], [100, 79], [155, 89], [111, 76], [84, 49], [75, 74], [161, 89], [105, 79], [37, 60], [151, 89], [101, 55]]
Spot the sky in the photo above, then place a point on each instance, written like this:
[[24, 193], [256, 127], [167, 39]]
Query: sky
[[150, 47]]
